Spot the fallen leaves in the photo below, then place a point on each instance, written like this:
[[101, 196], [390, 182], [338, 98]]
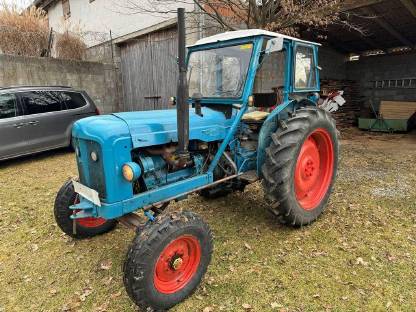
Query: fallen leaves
[[106, 265], [246, 306], [360, 261], [85, 293]]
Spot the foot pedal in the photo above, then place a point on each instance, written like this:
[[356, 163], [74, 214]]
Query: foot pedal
[[249, 176]]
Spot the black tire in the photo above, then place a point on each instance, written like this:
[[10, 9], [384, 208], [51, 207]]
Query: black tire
[[281, 161], [67, 197], [143, 259]]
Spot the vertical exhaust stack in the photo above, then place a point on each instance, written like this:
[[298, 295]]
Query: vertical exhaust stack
[[182, 92]]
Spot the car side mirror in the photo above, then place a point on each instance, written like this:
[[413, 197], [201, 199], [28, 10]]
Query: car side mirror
[[274, 45]]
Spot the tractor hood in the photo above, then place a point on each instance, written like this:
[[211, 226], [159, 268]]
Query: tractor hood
[[148, 128]]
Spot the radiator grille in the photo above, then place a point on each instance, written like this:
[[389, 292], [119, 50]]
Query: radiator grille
[[91, 173]]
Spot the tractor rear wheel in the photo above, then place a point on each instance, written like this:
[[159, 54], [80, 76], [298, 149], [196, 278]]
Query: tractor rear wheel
[[301, 165], [167, 260], [86, 227]]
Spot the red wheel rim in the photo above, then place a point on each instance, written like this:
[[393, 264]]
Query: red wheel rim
[[88, 222], [314, 169], [177, 264]]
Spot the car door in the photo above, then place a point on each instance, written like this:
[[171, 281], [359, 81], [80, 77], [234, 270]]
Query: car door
[[45, 119], [12, 140]]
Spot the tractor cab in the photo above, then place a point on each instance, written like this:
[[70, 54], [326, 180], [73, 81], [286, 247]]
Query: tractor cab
[[261, 68]]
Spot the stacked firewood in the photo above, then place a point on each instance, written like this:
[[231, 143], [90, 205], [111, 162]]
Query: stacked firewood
[[347, 114]]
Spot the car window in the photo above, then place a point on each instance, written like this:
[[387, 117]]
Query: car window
[[8, 106], [38, 102], [73, 100]]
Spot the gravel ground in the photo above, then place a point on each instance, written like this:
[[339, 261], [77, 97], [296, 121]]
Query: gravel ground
[[360, 255]]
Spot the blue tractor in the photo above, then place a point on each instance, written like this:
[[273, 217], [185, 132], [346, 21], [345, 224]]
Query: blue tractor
[[246, 110]]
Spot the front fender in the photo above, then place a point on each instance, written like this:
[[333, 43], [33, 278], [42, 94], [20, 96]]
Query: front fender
[[281, 112]]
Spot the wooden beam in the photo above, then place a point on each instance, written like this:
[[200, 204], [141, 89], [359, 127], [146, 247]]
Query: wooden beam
[[389, 28], [349, 5], [410, 6]]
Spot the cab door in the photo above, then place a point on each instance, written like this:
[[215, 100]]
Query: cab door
[[12, 139], [305, 68]]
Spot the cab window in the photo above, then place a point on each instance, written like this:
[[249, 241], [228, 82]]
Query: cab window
[[38, 102], [305, 68], [8, 107], [270, 76]]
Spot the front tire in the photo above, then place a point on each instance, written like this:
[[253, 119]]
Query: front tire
[[301, 165], [167, 260], [86, 227]]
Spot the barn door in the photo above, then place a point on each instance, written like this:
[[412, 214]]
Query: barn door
[[149, 71]]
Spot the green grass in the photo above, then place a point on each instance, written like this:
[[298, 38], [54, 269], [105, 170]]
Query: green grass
[[361, 255]]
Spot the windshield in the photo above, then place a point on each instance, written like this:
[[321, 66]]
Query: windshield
[[219, 72]]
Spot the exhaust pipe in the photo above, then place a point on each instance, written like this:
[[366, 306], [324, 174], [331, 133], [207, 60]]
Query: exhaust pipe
[[182, 95]]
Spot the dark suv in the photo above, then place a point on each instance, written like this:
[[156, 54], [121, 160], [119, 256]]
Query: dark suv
[[35, 119]]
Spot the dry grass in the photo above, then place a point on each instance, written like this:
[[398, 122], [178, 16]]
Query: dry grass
[[23, 33], [361, 255], [26, 33], [69, 46]]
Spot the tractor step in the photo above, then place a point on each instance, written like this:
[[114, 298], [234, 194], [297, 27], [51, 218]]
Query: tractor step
[[249, 176]]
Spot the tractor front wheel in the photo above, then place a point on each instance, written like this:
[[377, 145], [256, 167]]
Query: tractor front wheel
[[83, 228], [167, 260], [301, 165]]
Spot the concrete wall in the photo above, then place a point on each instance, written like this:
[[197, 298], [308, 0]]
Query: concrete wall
[[99, 80], [386, 67], [97, 18]]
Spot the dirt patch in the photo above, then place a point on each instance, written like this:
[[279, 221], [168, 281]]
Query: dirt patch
[[360, 255]]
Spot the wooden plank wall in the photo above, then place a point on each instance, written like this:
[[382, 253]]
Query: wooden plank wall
[[397, 110], [149, 71]]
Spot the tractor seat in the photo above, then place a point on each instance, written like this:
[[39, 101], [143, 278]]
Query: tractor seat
[[256, 116]]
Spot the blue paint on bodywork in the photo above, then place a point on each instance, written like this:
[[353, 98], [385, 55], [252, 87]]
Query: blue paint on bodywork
[[151, 128], [118, 209]]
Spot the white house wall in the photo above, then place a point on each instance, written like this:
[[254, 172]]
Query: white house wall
[[97, 18]]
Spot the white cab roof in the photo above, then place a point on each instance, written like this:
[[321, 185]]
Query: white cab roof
[[229, 35]]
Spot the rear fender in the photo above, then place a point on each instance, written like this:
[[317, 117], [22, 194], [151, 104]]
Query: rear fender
[[281, 112]]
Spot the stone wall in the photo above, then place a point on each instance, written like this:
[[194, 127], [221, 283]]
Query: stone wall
[[98, 79]]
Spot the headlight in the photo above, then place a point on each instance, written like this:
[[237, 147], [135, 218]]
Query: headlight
[[131, 171]]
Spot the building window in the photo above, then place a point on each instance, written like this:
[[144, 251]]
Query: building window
[[66, 9]]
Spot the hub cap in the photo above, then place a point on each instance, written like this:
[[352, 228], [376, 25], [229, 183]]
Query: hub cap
[[314, 169], [88, 222], [177, 264]]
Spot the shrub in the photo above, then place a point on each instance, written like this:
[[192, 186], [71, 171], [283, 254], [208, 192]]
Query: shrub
[[27, 33], [23, 33]]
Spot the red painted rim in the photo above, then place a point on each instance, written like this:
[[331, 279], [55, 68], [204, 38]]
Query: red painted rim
[[88, 222], [177, 264], [314, 169]]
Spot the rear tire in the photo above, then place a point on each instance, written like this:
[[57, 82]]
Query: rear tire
[[301, 165], [167, 260], [87, 227]]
